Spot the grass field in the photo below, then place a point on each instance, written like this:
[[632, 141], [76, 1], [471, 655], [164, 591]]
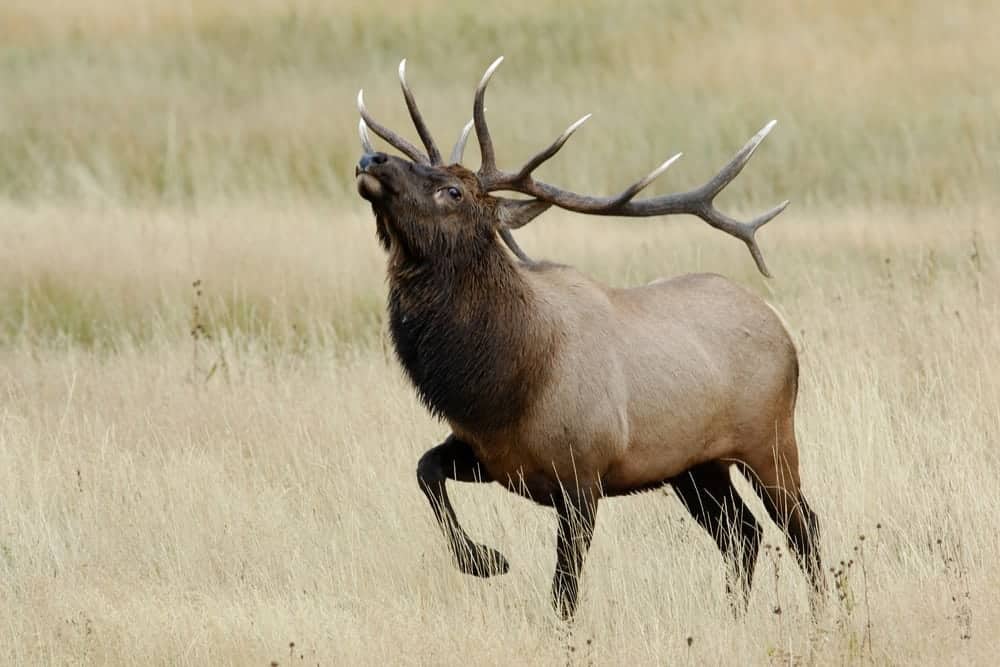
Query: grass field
[[208, 449]]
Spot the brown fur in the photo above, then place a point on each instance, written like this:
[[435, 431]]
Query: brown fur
[[557, 382]]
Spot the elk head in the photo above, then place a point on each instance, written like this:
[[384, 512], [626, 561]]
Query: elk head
[[428, 207], [432, 210]]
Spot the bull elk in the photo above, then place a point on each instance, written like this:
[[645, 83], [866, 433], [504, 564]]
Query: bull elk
[[566, 391]]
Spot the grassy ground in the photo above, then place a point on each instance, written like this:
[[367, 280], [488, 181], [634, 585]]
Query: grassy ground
[[208, 450]]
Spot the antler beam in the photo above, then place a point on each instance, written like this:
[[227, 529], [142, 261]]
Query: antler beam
[[698, 202]]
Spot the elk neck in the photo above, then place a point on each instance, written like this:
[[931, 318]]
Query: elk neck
[[468, 330]]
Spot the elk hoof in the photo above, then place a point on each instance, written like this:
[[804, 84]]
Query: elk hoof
[[480, 561]]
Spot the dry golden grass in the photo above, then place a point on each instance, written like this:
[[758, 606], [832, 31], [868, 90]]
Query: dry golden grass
[[210, 498], [158, 511]]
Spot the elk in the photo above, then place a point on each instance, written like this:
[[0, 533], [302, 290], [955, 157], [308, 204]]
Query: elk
[[566, 391]]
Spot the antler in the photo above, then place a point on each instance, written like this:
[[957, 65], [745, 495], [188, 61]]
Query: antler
[[418, 120], [398, 142], [699, 201], [459, 149], [488, 166], [394, 139], [433, 156]]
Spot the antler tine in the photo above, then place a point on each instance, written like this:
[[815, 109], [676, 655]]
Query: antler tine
[[744, 231], [366, 141], [698, 201], [418, 120], [489, 164], [735, 166], [756, 224], [394, 139], [553, 148], [631, 191], [459, 149], [508, 238]]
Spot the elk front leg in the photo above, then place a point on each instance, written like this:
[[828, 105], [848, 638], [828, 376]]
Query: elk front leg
[[454, 459], [577, 514]]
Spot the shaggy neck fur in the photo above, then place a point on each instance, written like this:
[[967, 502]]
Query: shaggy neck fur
[[468, 333]]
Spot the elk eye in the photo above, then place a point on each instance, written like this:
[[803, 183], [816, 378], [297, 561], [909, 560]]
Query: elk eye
[[454, 193]]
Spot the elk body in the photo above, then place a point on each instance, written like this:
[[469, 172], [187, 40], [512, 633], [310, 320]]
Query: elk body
[[567, 391]]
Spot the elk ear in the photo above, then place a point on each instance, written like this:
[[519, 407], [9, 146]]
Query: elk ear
[[514, 213]]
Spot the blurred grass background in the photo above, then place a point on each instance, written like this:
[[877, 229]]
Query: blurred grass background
[[149, 144], [158, 101]]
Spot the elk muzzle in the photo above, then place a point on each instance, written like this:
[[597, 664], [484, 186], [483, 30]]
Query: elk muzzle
[[368, 184]]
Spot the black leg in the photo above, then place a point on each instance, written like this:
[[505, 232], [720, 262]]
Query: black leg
[[707, 492], [803, 536], [577, 512], [454, 459], [797, 520]]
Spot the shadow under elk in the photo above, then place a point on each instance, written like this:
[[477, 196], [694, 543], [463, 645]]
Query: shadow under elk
[[567, 391]]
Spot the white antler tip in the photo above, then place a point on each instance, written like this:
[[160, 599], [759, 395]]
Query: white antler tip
[[659, 170], [752, 144], [361, 100], [402, 70], [671, 161], [575, 126], [489, 71]]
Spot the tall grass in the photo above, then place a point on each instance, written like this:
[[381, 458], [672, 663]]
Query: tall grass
[[208, 448], [210, 500]]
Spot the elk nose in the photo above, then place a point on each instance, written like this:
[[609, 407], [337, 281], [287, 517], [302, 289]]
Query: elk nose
[[369, 159]]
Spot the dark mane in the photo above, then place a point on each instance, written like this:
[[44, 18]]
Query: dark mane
[[468, 337]]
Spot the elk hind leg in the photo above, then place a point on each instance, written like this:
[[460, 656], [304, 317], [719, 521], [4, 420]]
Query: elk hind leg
[[454, 459], [774, 475], [708, 493], [577, 513]]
